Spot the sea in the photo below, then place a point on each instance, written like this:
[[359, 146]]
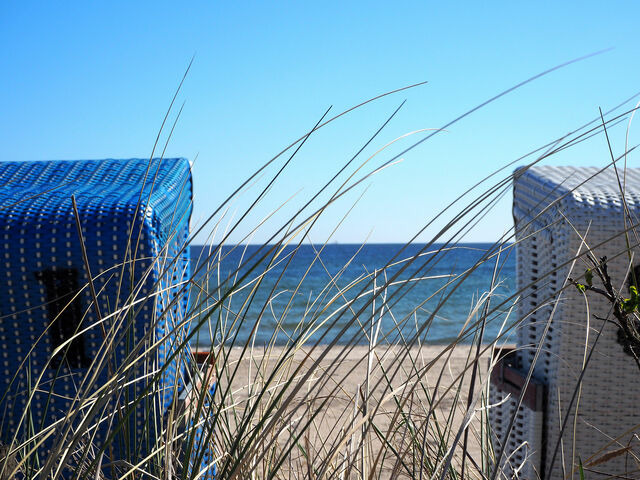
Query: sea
[[350, 294]]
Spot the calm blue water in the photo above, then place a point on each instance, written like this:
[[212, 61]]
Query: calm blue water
[[324, 303]]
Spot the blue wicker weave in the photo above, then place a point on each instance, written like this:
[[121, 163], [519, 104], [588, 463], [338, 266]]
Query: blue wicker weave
[[44, 294], [202, 458]]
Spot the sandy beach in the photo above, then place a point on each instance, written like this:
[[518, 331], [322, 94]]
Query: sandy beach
[[407, 391]]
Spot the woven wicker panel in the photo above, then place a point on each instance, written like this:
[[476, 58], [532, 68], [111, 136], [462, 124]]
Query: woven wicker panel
[[203, 462], [42, 257], [550, 204], [523, 445]]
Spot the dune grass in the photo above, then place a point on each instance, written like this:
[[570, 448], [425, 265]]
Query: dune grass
[[378, 404]]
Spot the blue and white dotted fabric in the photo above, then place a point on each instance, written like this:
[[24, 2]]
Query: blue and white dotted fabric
[[134, 216]]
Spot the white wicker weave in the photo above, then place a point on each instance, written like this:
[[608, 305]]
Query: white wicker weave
[[522, 452], [552, 204]]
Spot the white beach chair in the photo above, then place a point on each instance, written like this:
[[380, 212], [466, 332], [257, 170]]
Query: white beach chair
[[554, 208]]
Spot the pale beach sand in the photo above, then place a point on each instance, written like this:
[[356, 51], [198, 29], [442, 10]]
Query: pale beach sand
[[413, 378]]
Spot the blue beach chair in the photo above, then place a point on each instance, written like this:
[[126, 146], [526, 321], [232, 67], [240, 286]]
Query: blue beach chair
[[63, 337]]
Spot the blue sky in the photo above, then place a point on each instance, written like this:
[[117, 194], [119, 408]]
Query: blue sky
[[94, 79]]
